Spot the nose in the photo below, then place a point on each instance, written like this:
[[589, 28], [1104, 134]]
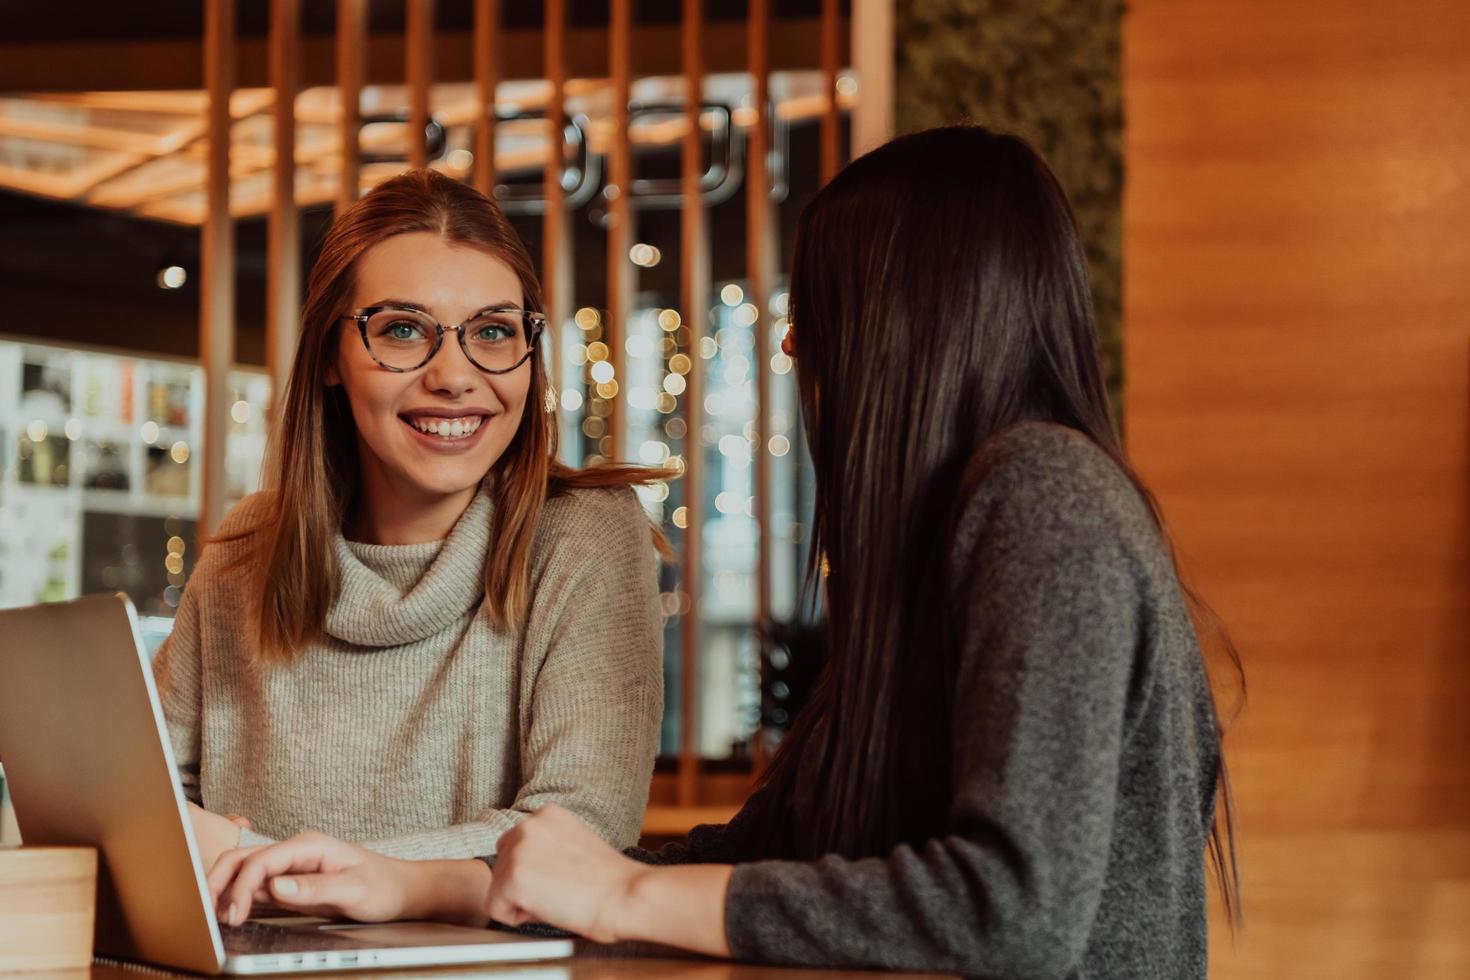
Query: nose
[[449, 372]]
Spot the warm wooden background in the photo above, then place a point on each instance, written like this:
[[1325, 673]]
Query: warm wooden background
[[1297, 309]]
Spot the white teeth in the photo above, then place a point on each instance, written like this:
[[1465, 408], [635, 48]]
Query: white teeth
[[448, 428]]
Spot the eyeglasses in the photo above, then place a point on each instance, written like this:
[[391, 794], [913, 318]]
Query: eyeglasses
[[495, 341]]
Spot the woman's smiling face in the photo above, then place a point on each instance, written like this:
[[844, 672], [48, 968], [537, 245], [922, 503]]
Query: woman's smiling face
[[437, 430]]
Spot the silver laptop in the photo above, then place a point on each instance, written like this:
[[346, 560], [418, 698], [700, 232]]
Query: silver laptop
[[88, 759]]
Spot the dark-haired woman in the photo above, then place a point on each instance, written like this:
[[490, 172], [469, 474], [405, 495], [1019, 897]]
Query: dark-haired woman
[[1011, 764]]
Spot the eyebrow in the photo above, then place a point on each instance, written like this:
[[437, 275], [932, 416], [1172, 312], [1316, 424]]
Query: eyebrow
[[404, 304]]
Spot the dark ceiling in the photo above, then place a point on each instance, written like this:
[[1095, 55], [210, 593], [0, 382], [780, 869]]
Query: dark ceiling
[[73, 274], [27, 20]]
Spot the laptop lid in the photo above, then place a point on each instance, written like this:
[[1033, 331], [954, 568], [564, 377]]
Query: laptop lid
[[81, 736]]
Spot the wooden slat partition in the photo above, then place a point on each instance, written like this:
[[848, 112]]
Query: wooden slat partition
[[217, 263], [694, 299], [351, 68], [555, 229], [872, 57], [420, 64], [487, 77], [831, 32], [283, 260], [759, 249], [619, 214]]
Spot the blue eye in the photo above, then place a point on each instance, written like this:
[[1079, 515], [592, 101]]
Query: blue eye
[[402, 331], [491, 332]]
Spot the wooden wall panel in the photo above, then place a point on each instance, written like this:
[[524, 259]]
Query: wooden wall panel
[[1297, 309]]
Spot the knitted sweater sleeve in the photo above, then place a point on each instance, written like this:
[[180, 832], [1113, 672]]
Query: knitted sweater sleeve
[[1052, 625]]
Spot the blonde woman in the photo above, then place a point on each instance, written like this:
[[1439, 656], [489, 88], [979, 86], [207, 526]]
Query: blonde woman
[[427, 628]]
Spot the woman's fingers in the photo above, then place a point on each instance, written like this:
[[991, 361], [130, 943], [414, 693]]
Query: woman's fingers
[[222, 872], [302, 854], [340, 894]]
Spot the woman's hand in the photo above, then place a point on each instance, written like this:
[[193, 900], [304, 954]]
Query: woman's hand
[[552, 868], [215, 834], [318, 875]]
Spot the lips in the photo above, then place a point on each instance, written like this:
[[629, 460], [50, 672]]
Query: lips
[[444, 427]]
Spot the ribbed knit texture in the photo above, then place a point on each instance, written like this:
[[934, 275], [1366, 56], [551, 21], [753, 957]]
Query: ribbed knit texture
[[1084, 757], [416, 726]]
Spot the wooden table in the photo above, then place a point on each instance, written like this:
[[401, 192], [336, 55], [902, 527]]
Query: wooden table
[[590, 962]]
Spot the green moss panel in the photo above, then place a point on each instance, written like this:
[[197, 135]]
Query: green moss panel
[[1051, 71]]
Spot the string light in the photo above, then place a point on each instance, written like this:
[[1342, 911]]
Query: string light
[[653, 452], [732, 295], [669, 320], [37, 431], [149, 432], [675, 384], [602, 371], [571, 400], [644, 255]]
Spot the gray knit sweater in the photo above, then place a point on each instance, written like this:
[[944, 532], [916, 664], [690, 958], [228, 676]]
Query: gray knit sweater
[[415, 725], [1084, 753]]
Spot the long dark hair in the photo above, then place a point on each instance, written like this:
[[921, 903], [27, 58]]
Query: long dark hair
[[939, 294]]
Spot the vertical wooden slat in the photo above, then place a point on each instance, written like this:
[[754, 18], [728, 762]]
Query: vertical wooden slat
[[487, 77], [555, 232], [619, 211], [694, 298], [830, 118], [351, 70], [759, 262], [872, 58], [420, 71], [283, 264], [217, 261]]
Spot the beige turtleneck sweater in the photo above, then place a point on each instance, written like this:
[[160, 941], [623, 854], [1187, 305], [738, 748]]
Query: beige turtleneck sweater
[[416, 726]]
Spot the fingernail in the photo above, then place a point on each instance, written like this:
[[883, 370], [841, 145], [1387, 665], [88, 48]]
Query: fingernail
[[285, 886], [230, 914]]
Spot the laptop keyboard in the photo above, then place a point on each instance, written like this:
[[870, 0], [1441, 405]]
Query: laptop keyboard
[[255, 938]]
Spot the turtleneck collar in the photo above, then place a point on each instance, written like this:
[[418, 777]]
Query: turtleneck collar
[[391, 595]]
